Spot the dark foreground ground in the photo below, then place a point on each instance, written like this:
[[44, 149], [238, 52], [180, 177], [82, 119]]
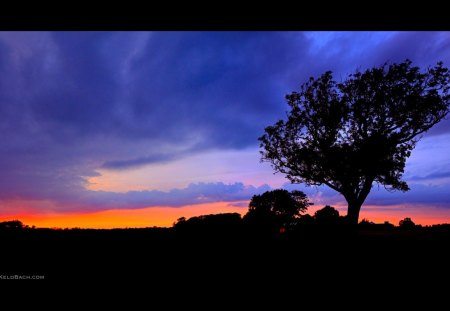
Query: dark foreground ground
[[367, 263]]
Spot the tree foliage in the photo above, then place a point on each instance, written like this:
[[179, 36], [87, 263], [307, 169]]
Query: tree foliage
[[406, 223], [12, 225], [327, 215], [277, 207], [348, 135]]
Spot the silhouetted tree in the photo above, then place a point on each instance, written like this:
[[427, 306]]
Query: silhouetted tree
[[406, 223], [209, 223], [387, 224], [306, 219], [327, 215], [180, 221], [348, 135], [366, 223], [12, 225], [277, 207]]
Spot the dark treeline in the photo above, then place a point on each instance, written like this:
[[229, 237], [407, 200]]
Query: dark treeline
[[224, 255], [217, 249], [271, 213]]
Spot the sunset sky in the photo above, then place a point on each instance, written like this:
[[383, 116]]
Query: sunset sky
[[136, 129]]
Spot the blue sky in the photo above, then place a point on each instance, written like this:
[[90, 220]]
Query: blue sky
[[103, 120]]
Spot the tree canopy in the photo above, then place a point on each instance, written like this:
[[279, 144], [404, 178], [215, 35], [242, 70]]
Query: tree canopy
[[350, 134], [406, 223], [277, 207], [327, 215]]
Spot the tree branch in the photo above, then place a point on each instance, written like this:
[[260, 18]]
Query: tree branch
[[333, 186]]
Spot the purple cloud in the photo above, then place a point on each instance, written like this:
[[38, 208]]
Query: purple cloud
[[74, 102], [192, 194]]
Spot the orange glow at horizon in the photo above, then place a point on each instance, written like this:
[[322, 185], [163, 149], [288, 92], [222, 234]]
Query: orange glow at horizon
[[124, 218], [166, 216], [423, 215]]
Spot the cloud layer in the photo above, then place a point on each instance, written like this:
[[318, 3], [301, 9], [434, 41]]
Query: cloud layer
[[72, 103]]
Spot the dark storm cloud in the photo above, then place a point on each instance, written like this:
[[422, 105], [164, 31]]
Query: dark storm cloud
[[422, 47], [72, 102], [212, 88], [155, 158]]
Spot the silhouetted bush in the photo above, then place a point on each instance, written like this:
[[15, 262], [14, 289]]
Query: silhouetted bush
[[387, 224], [11, 225], [406, 223], [370, 225], [306, 220], [209, 223], [327, 216], [366, 222], [276, 209]]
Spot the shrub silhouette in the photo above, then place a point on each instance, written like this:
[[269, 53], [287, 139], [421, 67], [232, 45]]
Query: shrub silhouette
[[327, 215], [306, 220], [388, 224], [275, 209], [12, 225], [209, 223], [406, 223]]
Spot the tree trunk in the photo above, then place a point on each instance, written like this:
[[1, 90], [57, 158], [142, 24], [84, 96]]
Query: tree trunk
[[356, 201], [353, 212]]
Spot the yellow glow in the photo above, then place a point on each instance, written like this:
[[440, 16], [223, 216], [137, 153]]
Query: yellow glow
[[123, 218], [424, 215], [166, 216]]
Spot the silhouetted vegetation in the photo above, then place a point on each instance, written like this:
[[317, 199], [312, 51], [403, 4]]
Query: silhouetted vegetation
[[327, 216], [221, 254], [11, 225], [214, 223], [407, 223], [351, 134], [276, 209]]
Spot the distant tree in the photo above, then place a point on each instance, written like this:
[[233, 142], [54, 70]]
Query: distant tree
[[406, 223], [277, 207], [366, 221], [12, 224], [348, 135], [327, 215], [180, 221], [387, 224], [306, 219], [209, 223]]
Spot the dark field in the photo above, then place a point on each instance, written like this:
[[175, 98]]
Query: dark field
[[311, 259], [314, 269]]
